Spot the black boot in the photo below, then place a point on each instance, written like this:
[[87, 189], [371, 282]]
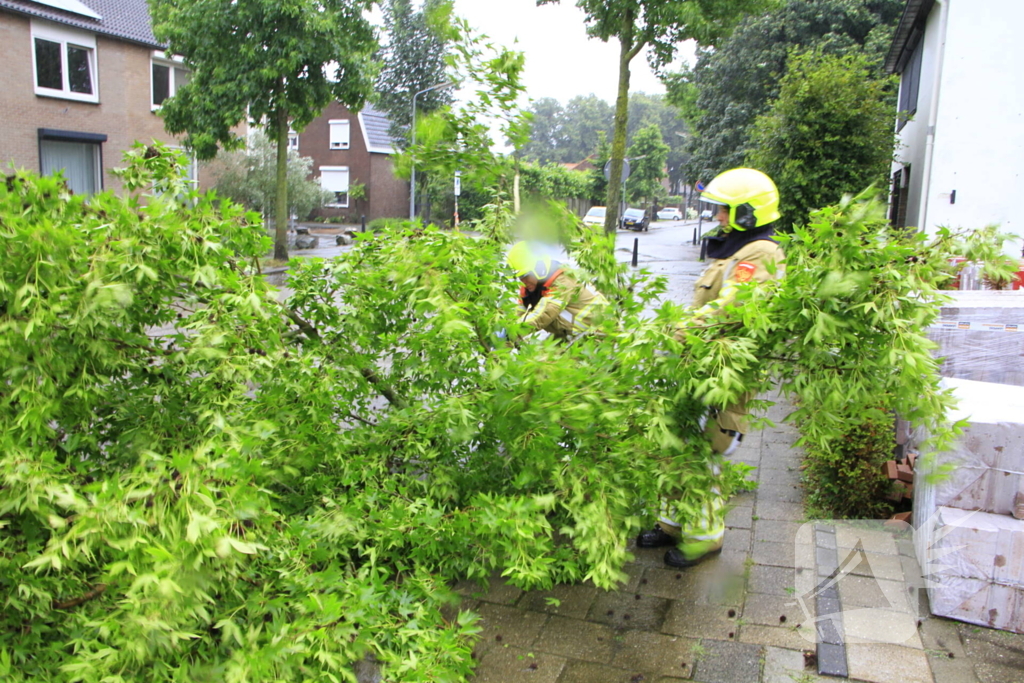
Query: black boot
[[674, 557], [655, 538]]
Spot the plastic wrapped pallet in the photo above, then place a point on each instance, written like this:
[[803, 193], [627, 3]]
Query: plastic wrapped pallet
[[973, 564], [987, 461], [980, 335]]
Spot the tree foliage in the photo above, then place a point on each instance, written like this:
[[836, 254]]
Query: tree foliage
[[647, 155], [734, 83], [279, 61], [250, 178], [658, 26], [200, 483], [829, 133], [413, 59]]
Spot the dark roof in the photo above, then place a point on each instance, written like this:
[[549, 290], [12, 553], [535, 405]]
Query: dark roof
[[376, 124], [907, 34], [122, 19]]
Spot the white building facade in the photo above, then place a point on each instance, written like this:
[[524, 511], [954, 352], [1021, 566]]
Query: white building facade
[[960, 127]]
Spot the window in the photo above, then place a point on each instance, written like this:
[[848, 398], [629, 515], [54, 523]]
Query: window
[[335, 179], [65, 62], [168, 74], [339, 134], [76, 155], [293, 140], [910, 85]]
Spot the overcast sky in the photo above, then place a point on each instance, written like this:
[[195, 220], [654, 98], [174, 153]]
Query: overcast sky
[[561, 61]]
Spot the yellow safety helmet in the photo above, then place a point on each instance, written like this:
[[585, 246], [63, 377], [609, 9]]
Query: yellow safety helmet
[[751, 196], [525, 259]]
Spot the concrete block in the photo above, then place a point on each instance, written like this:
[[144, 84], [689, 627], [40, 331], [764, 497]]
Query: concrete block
[[988, 460]]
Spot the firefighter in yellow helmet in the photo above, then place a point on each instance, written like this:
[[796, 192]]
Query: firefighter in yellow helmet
[[553, 299], [743, 251]]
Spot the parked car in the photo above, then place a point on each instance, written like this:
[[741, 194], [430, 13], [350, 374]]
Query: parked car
[[595, 216], [635, 219], [670, 214], [707, 215]]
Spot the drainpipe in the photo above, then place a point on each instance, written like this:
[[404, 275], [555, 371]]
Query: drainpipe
[[933, 115]]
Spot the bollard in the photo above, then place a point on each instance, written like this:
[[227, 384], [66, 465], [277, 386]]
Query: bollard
[[636, 248], [363, 221], [703, 249], [694, 242]]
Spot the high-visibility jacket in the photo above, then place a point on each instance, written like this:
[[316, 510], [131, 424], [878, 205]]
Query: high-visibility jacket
[[714, 290], [561, 305]]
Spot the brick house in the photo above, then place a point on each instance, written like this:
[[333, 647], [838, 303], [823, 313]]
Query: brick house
[[349, 148], [82, 81]]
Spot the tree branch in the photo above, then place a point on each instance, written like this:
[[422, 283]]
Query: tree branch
[[97, 591]]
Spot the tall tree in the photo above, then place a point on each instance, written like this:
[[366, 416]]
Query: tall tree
[[547, 140], [412, 60], [736, 82], [829, 133], [278, 61], [647, 155], [658, 25]]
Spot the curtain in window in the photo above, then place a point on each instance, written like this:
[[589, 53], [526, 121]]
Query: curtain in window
[[78, 160]]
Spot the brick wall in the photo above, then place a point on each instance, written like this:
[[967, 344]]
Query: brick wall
[[123, 113]]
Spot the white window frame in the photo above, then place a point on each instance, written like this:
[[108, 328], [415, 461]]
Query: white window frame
[[348, 177], [172, 62], [64, 37], [293, 140], [340, 133]]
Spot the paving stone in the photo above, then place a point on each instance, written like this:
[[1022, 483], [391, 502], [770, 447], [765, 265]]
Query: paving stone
[[736, 540], [778, 477], [829, 629], [791, 638], [889, 567], [674, 584], [868, 625], [495, 590], [782, 493], [655, 654], [746, 498], [728, 662], [739, 518], [772, 610], [871, 540], [867, 591], [825, 540], [775, 456], [508, 625], [513, 665], [776, 554], [773, 531], [629, 610], [771, 580], [787, 666], [701, 621], [782, 511], [576, 640], [886, 663], [780, 434], [648, 557], [588, 672], [941, 635], [832, 660], [574, 601]]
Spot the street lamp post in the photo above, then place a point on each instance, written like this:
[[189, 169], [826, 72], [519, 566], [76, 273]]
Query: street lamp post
[[412, 188]]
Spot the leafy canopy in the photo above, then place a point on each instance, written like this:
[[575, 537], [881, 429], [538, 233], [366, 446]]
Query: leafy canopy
[[829, 133]]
